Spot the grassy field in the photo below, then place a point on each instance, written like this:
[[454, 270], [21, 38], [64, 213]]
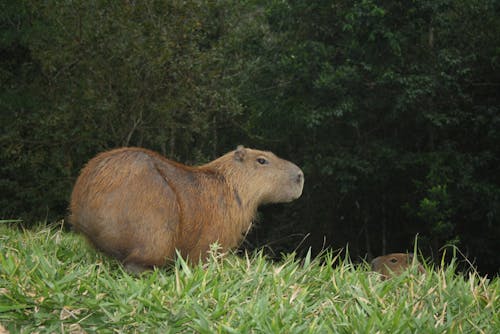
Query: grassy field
[[52, 281]]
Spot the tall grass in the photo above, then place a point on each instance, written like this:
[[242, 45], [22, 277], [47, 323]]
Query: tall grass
[[52, 281]]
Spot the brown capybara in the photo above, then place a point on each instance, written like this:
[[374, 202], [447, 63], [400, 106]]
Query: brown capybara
[[140, 207], [394, 264]]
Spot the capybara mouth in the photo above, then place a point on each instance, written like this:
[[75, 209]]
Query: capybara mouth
[[298, 192]]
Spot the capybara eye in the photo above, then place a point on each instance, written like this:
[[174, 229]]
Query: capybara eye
[[394, 260], [262, 161]]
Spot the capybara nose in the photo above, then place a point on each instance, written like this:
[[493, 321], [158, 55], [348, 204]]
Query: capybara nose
[[300, 176]]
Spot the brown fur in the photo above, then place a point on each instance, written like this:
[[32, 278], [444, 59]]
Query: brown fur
[[140, 207], [394, 264], [3, 330]]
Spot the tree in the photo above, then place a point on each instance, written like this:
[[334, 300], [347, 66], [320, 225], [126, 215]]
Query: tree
[[375, 98], [100, 75]]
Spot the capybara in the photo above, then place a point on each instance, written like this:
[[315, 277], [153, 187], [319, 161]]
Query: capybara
[[394, 264], [138, 206]]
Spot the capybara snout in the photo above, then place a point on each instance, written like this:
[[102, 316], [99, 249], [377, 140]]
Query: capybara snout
[[297, 178], [141, 208]]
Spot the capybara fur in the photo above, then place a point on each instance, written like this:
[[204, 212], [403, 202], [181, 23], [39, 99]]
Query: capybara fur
[[139, 207], [394, 264]]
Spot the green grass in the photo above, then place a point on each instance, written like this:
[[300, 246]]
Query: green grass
[[52, 281]]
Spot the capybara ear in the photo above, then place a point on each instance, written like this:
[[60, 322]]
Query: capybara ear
[[240, 153]]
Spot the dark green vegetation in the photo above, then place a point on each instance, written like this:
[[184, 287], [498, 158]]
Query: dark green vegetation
[[390, 107], [51, 282]]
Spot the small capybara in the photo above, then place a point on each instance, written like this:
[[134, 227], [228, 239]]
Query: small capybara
[[138, 206], [394, 264]]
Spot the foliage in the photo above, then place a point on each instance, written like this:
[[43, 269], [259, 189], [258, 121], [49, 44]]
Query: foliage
[[51, 281], [106, 75], [390, 107]]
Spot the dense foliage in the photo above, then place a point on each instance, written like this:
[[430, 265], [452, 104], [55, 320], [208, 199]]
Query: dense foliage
[[390, 107]]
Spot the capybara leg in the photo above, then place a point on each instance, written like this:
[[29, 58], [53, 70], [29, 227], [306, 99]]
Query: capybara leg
[[135, 268], [138, 261]]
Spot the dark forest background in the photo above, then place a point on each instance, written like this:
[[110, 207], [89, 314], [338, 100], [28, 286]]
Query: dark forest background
[[390, 107]]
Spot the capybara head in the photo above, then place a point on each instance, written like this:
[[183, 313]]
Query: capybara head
[[394, 264], [262, 176]]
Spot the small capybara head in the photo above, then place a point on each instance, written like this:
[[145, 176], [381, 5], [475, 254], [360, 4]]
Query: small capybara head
[[265, 177], [394, 264]]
